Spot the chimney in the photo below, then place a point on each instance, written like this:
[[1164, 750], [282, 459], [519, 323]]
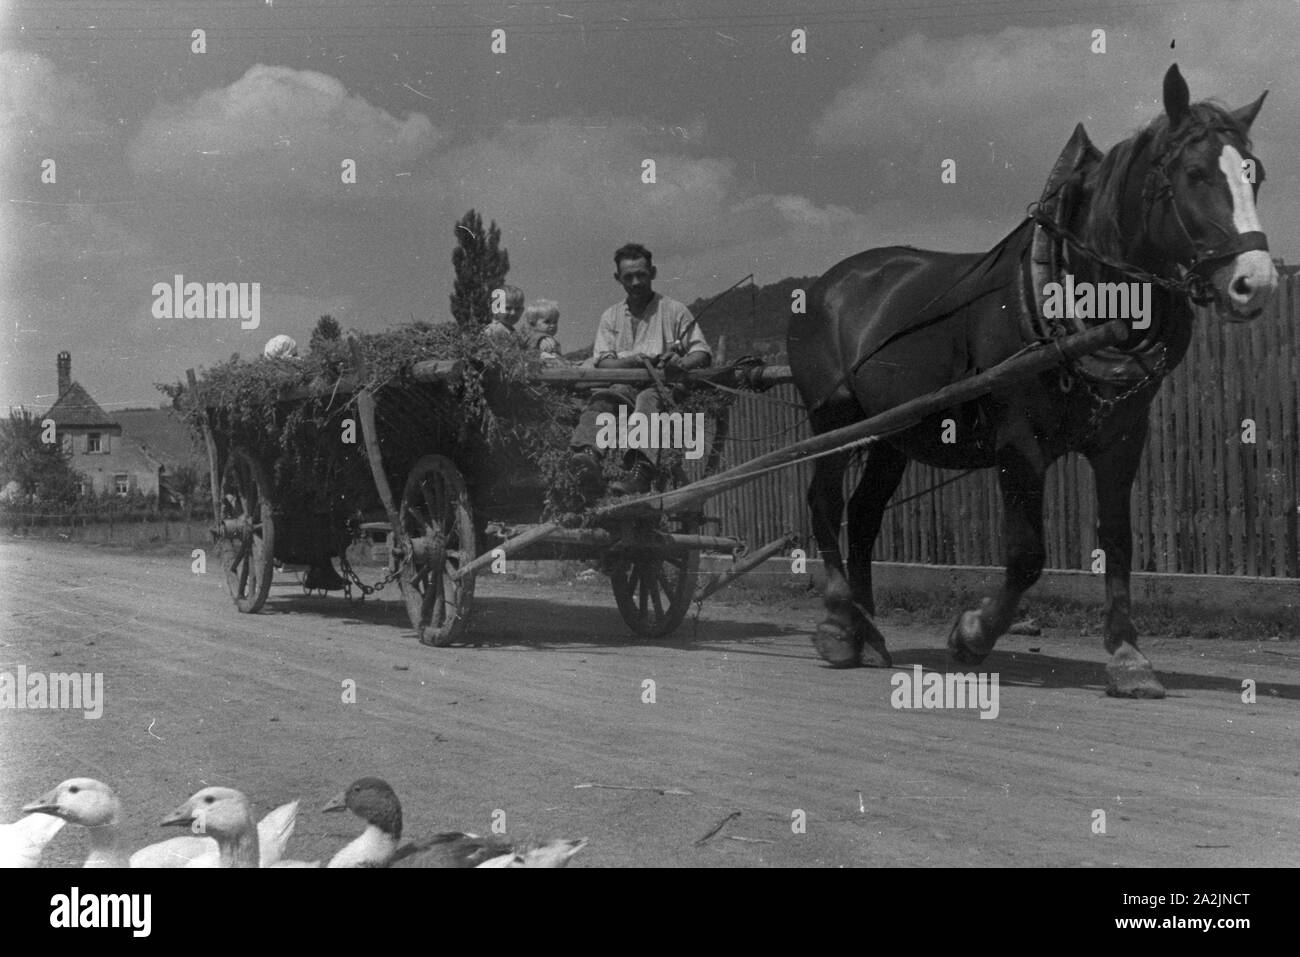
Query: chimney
[[65, 373]]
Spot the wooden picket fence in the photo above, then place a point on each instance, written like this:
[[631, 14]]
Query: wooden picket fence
[[1205, 501]]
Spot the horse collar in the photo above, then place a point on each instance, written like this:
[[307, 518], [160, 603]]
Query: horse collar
[[1127, 370]]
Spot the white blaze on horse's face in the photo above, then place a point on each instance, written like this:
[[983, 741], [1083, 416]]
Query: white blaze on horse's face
[[1246, 283]]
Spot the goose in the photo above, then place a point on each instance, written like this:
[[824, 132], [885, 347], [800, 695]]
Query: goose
[[93, 805], [22, 842], [225, 815], [375, 802], [273, 833]]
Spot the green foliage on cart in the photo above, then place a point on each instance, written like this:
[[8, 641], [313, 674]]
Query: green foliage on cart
[[499, 428], [289, 413]]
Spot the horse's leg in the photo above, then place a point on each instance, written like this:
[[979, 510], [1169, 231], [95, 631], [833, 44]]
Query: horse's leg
[[1129, 673], [1021, 468], [837, 639], [881, 474]]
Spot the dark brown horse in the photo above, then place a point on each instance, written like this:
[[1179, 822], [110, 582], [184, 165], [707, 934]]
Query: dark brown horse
[[1172, 207]]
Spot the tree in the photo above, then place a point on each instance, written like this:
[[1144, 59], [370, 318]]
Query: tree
[[327, 330], [40, 468], [481, 266], [183, 483]]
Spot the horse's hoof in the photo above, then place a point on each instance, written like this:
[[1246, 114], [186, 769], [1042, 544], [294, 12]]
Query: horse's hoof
[[872, 657], [838, 646], [965, 640], [1133, 683], [874, 654]]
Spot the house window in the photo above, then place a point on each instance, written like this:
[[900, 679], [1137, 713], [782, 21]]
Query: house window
[[93, 443], [121, 483]]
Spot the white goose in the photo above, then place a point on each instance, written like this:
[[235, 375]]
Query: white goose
[[225, 815], [93, 805], [273, 832], [375, 802], [22, 842]]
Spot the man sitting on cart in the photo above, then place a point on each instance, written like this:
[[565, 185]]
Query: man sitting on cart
[[644, 326]]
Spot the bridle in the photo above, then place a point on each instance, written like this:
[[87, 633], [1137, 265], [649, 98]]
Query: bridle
[[1158, 188]]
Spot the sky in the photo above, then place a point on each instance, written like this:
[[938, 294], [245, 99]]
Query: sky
[[226, 165]]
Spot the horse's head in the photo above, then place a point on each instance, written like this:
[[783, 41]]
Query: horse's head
[[1198, 200]]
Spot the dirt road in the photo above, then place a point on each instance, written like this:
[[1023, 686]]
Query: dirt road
[[745, 718]]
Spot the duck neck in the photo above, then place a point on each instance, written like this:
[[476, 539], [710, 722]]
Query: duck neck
[[106, 845], [240, 850], [374, 847]]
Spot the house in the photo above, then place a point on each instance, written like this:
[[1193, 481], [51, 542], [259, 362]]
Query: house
[[130, 451]]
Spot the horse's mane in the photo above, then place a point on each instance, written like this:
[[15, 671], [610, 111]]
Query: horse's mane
[[1109, 180]]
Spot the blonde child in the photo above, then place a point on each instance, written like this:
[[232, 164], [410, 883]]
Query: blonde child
[[541, 321]]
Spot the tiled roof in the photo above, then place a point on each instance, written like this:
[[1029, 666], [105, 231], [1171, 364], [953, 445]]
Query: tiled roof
[[76, 409], [163, 436]]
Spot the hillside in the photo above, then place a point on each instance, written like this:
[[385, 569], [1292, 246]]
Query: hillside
[[753, 318]]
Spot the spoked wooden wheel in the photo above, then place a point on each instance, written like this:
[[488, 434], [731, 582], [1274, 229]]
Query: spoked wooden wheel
[[654, 593], [246, 531], [436, 536]]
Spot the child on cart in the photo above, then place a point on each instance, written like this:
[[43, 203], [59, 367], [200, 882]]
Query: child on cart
[[540, 323]]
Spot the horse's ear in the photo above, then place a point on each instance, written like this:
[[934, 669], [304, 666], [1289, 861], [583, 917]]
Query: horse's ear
[[1245, 115], [1177, 97], [1083, 143]]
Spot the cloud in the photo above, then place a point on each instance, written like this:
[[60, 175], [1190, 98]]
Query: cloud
[[1022, 89], [586, 175], [277, 131], [1003, 104], [40, 105], [562, 181]]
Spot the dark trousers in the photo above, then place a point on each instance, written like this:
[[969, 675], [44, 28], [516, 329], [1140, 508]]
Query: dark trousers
[[609, 400]]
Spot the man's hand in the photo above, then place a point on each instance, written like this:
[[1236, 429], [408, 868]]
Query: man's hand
[[621, 362], [671, 364], [697, 360]]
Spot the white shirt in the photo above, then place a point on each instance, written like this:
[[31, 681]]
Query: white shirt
[[621, 335]]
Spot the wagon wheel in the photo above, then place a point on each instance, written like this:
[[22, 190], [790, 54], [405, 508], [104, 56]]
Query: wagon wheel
[[437, 535], [654, 593], [247, 531]]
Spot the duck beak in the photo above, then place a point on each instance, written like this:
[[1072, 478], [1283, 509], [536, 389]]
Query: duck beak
[[181, 817], [338, 802], [45, 804]]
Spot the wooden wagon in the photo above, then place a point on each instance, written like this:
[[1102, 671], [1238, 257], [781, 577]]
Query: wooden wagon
[[448, 507]]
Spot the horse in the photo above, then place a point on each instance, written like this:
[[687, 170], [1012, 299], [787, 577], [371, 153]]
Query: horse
[[1169, 211]]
